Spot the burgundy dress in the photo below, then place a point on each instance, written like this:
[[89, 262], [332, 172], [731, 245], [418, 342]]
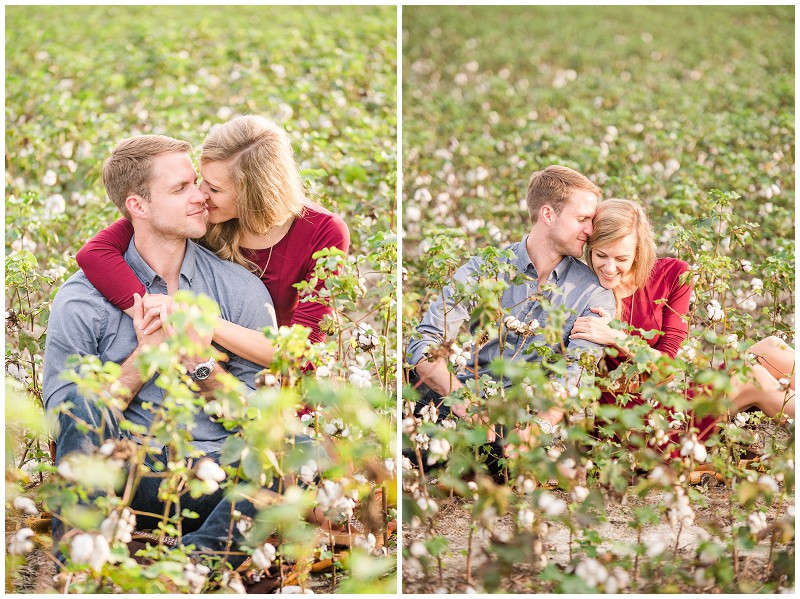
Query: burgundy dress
[[315, 229], [642, 311]]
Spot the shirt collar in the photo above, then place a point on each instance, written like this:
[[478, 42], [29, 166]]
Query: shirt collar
[[523, 261], [147, 275]]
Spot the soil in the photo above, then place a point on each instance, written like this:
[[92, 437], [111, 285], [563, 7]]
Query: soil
[[454, 520], [37, 573], [454, 517]]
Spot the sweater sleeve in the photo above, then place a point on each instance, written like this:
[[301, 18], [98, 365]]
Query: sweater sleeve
[[333, 233], [677, 294], [103, 255]]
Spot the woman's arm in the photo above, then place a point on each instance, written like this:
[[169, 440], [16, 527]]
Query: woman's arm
[[253, 345], [246, 343], [104, 254]]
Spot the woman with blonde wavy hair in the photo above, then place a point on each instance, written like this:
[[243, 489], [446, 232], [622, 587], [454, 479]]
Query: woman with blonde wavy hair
[[258, 216], [650, 296]]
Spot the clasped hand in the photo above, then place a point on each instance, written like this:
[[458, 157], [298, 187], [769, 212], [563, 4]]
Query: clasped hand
[[150, 320], [595, 328]]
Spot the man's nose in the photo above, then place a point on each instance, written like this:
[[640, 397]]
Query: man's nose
[[589, 228], [199, 197]]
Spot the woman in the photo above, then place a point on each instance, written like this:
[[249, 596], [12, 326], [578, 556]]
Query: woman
[[258, 216], [622, 253]]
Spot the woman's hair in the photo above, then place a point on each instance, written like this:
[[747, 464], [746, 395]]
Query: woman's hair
[[616, 219], [266, 180]]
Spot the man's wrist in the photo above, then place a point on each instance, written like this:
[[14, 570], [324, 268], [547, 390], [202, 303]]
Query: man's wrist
[[200, 370]]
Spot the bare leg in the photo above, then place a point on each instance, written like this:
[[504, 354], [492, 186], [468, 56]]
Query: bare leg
[[776, 356], [761, 389]]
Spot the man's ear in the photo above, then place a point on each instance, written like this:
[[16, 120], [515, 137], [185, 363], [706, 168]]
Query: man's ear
[[547, 214], [136, 205]]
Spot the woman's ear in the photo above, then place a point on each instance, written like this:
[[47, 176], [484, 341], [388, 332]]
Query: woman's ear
[[136, 205]]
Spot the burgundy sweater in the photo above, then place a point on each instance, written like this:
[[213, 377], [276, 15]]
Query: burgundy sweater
[[641, 311], [315, 229]]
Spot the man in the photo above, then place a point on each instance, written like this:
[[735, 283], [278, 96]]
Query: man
[[561, 204], [152, 181]]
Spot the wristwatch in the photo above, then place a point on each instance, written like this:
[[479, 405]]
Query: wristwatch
[[203, 370]]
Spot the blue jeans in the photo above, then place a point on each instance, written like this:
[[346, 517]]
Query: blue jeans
[[493, 452], [209, 533]]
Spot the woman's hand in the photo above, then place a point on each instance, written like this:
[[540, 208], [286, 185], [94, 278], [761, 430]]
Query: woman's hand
[[596, 328], [157, 307]]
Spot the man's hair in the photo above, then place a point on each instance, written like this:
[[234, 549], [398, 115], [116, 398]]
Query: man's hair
[[553, 186], [129, 168], [615, 219], [266, 181]]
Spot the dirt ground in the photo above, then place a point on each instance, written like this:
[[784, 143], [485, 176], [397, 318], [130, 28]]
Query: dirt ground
[[36, 575], [454, 520]]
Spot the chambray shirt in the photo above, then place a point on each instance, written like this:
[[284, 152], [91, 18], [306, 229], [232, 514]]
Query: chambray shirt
[[84, 322], [579, 291]]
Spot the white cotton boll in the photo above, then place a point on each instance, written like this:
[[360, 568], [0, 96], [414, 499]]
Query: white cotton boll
[[55, 204], [413, 214], [26, 505], [22, 542], [422, 196], [592, 572], [655, 547], [308, 472], [756, 284], [66, 471], [757, 521], [525, 518], [359, 378], [50, 178], [90, 549], [699, 452], [294, 589], [551, 505], [264, 556], [210, 473], [767, 481], [715, 311], [617, 580], [438, 449], [417, 549], [366, 543], [525, 485], [580, 493], [119, 526], [196, 575], [429, 413], [747, 266]]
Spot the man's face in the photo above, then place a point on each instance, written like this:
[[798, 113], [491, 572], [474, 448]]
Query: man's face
[[177, 208], [573, 226]]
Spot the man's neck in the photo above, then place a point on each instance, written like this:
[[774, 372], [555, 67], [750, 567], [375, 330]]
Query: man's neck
[[164, 256], [542, 256]]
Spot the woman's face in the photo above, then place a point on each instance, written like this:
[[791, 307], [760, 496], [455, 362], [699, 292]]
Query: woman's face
[[613, 262], [218, 187]]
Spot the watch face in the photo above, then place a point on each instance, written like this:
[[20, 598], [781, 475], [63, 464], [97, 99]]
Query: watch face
[[201, 373]]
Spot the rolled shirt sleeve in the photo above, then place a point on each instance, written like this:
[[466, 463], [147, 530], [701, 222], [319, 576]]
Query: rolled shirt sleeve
[[444, 317]]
